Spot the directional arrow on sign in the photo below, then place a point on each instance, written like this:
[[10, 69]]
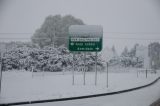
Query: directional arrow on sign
[[97, 48], [72, 44]]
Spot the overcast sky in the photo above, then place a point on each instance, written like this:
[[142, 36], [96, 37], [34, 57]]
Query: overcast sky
[[121, 19]]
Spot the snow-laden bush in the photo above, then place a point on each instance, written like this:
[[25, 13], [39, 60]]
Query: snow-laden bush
[[126, 61], [46, 59]]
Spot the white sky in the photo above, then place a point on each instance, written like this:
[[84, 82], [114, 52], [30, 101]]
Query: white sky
[[137, 19]]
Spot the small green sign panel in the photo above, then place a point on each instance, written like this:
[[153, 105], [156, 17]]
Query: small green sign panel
[[85, 38]]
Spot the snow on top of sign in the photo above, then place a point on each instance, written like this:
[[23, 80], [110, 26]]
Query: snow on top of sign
[[86, 29]]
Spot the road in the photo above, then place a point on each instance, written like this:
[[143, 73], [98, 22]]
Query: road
[[142, 97]]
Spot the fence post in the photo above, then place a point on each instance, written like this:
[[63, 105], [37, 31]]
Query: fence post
[[32, 70], [1, 65], [146, 73]]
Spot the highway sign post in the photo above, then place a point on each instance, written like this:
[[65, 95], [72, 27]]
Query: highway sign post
[[107, 75], [73, 69], [85, 38], [84, 76]]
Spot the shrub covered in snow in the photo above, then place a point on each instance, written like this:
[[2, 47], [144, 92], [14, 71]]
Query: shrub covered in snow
[[46, 59]]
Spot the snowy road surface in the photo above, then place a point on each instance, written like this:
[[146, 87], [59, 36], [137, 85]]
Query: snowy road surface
[[142, 97]]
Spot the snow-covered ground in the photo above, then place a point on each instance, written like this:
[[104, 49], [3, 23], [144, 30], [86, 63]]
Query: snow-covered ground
[[21, 86], [141, 97]]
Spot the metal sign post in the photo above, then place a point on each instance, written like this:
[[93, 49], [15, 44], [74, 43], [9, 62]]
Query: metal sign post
[[84, 76], [96, 69], [73, 68], [107, 75]]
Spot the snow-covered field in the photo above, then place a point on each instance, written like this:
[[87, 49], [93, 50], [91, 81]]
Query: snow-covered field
[[23, 86]]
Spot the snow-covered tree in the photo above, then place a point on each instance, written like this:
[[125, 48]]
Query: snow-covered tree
[[132, 52], [125, 52], [54, 30], [45, 59], [114, 51], [154, 54]]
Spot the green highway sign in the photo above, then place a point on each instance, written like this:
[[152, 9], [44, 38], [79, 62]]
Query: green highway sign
[[85, 38]]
